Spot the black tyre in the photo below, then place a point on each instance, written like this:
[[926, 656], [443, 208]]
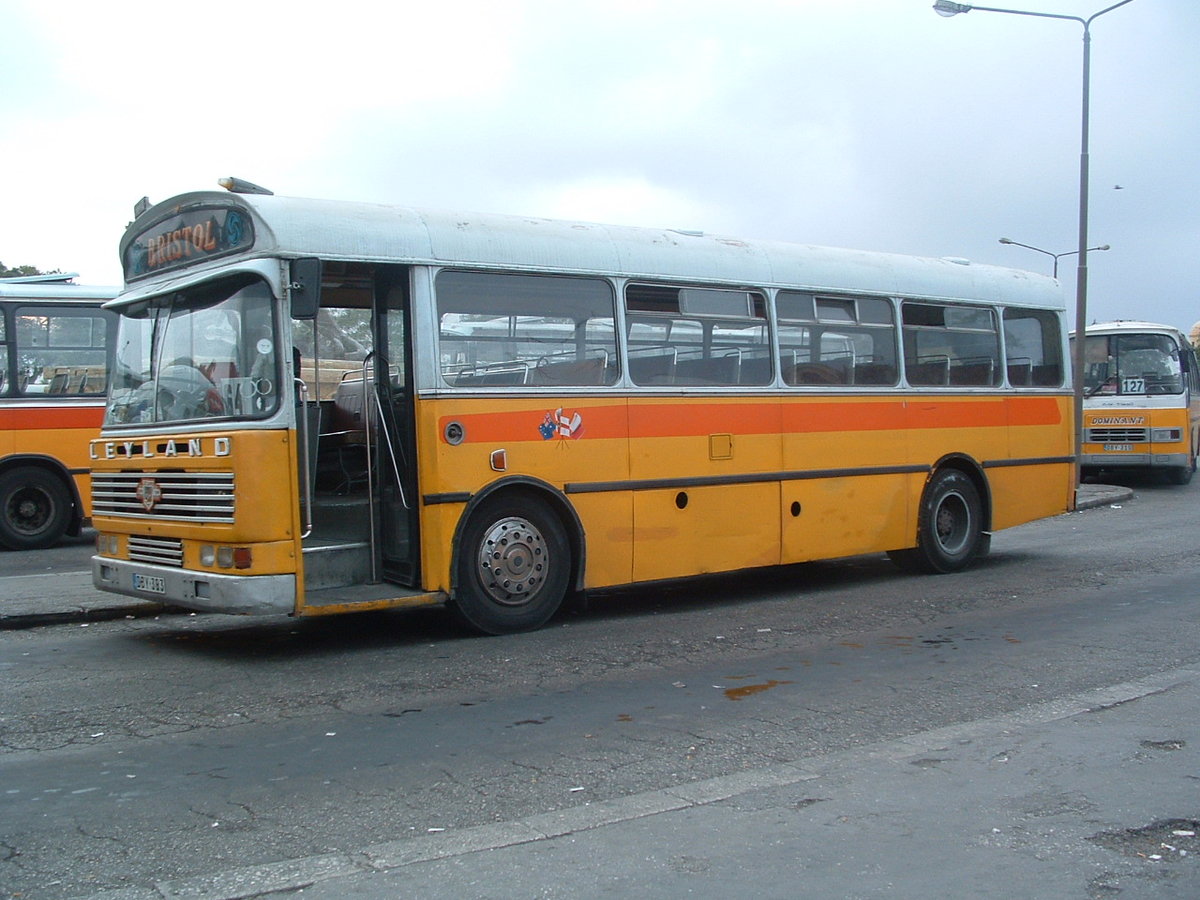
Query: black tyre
[[949, 527], [35, 509], [514, 565], [1181, 474]]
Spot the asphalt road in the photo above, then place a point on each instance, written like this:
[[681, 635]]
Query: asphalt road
[[212, 756]]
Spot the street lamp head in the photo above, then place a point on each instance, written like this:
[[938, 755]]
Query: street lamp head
[[1007, 241], [948, 8], [1103, 247]]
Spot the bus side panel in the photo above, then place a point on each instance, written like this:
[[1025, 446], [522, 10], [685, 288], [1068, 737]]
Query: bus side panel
[[608, 531], [1023, 493], [573, 446], [829, 514], [990, 431], [692, 525], [846, 516], [974, 427], [60, 431], [438, 524], [700, 530]]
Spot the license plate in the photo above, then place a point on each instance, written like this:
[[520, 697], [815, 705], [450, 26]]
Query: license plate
[[1119, 448], [150, 584]]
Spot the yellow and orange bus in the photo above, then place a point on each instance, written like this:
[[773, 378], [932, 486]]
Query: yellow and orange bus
[[1141, 400], [320, 407], [54, 339]]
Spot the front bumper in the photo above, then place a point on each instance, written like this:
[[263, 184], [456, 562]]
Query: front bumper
[[202, 591], [1134, 460]]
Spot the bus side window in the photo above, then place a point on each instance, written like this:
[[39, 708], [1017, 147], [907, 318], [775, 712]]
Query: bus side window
[[1032, 348]]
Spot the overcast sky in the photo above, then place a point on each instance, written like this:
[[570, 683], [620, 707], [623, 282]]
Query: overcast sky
[[873, 124]]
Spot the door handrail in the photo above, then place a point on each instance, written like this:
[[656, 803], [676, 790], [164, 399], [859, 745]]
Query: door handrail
[[305, 436]]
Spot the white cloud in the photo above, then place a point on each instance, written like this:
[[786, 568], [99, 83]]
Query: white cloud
[[869, 123], [619, 199]]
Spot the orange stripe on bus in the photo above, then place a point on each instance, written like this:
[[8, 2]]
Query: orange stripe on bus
[[656, 420], [16, 418]]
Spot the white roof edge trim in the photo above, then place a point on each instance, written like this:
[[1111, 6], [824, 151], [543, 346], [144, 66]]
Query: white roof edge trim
[[1119, 326], [268, 268]]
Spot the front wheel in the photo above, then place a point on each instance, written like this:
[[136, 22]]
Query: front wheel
[[514, 565], [1181, 474], [949, 527], [35, 509]]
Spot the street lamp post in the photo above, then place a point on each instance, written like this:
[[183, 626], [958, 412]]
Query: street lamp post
[[1056, 256], [949, 8]]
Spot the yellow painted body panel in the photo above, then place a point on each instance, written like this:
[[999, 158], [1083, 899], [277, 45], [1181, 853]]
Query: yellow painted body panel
[[1186, 419], [263, 464], [663, 487], [674, 486], [720, 529], [60, 431], [609, 534]]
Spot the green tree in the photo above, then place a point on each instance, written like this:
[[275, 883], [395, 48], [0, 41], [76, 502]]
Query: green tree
[[6, 272]]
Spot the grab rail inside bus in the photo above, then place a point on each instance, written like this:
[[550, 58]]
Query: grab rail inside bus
[[367, 376], [388, 442], [305, 437]]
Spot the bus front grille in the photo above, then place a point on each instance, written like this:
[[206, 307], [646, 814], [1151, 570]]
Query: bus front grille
[[170, 496], [1117, 435], [159, 551]]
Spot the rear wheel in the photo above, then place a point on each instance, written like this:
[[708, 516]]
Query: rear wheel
[[514, 565], [35, 509], [949, 527]]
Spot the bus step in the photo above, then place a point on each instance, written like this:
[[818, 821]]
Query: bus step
[[366, 597], [345, 519], [335, 565]]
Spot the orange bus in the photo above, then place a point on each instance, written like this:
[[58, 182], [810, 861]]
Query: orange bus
[[1141, 403], [54, 339], [320, 407]]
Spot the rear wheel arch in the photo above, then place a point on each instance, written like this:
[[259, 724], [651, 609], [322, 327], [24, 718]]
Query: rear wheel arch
[[953, 519]]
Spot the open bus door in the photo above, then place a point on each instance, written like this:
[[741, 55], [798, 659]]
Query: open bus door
[[354, 419]]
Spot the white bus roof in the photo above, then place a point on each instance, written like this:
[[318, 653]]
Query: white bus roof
[[1131, 325], [367, 232], [54, 290]]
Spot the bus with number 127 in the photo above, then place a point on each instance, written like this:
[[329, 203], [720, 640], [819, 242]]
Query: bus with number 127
[[319, 407], [1141, 400]]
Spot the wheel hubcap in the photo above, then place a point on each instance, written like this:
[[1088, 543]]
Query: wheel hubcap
[[513, 561], [953, 523], [29, 511]]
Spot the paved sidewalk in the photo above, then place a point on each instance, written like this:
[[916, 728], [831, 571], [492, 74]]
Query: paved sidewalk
[[1088, 496], [27, 601]]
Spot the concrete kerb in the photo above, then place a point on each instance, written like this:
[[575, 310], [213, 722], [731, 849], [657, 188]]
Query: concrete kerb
[[1089, 496], [28, 601]]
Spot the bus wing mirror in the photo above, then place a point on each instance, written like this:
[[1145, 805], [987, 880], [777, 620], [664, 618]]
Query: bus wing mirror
[[305, 287]]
